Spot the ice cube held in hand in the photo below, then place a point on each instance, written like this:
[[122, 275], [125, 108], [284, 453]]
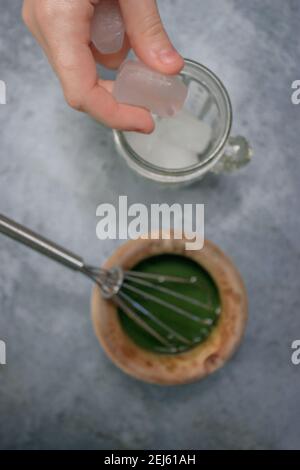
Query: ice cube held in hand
[[107, 30], [186, 131], [138, 85]]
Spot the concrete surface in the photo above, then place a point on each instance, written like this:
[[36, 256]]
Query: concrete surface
[[58, 390]]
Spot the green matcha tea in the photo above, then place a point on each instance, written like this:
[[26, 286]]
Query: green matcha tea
[[204, 291]]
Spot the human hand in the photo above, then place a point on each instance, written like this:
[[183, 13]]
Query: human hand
[[62, 28]]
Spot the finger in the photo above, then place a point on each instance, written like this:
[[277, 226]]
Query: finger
[[76, 68], [116, 115], [148, 37], [65, 38], [111, 61], [30, 22]]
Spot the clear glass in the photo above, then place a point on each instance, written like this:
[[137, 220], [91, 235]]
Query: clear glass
[[209, 102]]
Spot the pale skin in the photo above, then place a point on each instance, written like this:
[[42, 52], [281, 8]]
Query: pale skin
[[62, 28]]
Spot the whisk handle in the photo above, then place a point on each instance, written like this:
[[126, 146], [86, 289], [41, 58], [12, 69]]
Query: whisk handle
[[36, 242]]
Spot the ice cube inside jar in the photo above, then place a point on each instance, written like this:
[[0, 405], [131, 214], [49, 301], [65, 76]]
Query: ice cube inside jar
[[185, 130], [176, 143], [159, 152], [168, 156], [138, 85], [108, 30]]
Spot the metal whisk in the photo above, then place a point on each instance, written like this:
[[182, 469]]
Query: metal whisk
[[116, 285]]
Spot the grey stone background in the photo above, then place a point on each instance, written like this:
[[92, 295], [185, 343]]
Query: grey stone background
[[58, 390]]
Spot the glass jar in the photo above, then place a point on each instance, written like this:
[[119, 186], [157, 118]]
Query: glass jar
[[209, 102]]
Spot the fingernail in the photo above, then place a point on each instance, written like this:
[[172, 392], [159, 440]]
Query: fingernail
[[168, 56], [139, 129]]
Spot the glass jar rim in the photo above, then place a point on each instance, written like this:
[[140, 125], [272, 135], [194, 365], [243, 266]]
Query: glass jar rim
[[154, 172]]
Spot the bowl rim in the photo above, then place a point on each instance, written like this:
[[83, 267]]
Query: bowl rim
[[197, 362]]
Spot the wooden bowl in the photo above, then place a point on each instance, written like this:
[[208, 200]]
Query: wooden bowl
[[191, 365]]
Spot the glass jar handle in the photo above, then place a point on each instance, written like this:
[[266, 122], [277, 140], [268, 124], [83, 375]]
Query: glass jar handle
[[238, 153]]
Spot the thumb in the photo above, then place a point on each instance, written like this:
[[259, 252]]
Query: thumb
[[148, 37]]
